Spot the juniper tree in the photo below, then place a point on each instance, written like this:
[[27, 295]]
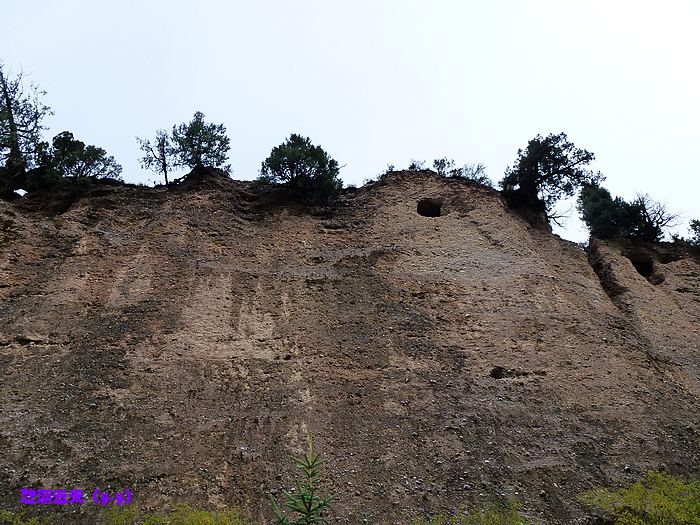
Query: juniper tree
[[695, 232], [548, 169], [308, 172], [73, 158], [607, 218], [198, 143]]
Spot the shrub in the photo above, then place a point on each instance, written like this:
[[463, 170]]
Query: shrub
[[416, 165], [657, 499], [42, 178], [443, 166], [492, 514], [304, 501], [308, 172], [473, 172], [390, 168]]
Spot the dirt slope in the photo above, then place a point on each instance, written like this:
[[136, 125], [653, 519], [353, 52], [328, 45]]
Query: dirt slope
[[182, 343]]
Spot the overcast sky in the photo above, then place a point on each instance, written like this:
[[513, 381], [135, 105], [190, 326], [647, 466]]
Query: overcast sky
[[380, 81]]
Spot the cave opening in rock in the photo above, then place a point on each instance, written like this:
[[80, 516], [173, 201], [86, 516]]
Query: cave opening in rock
[[643, 264], [429, 207]]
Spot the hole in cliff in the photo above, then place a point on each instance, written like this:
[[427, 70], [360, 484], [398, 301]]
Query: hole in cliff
[[429, 207], [499, 372], [643, 265]]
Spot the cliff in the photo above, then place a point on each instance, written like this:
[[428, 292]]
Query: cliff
[[182, 342]]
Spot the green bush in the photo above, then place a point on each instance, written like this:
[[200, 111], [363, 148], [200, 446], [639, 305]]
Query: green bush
[[492, 514], [657, 499]]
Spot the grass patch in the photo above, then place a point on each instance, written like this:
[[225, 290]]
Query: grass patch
[[180, 515], [657, 499], [492, 514], [17, 518]]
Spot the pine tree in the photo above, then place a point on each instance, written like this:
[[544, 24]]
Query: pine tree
[[304, 502]]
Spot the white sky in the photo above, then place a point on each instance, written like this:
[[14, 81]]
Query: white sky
[[380, 81]]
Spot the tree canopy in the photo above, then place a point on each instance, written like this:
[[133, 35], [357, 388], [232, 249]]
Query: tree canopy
[[695, 233], [73, 158], [548, 169], [308, 171], [21, 115], [608, 218], [200, 143]]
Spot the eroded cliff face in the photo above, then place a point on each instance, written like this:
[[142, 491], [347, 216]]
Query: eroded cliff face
[[182, 343]]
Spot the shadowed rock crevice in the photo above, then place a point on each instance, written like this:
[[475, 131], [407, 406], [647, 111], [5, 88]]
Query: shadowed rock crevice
[[603, 269]]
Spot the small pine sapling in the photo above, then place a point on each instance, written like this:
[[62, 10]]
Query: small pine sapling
[[304, 502]]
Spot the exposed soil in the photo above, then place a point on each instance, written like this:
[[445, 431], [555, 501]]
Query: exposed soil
[[181, 343]]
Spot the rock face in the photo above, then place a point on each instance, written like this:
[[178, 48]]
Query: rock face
[[181, 343]]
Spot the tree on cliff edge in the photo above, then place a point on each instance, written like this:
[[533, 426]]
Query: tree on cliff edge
[[21, 113], [548, 169], [158, 156], [199, 143], [309, 173], [70, 157], [611, 218], [695, 232]]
